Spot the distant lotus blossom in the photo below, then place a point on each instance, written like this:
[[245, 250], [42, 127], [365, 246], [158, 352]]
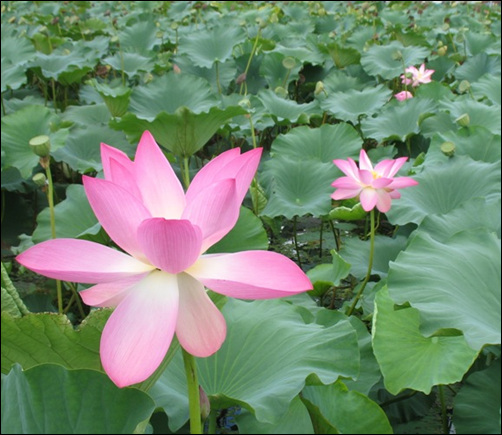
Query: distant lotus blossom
[[157, 286], [375, 186], [417, 76], [403, 95]]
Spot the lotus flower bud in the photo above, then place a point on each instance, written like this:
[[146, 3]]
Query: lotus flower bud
[[442, 50], [205, 405], [41, 145], [319, 87], [448, 148]]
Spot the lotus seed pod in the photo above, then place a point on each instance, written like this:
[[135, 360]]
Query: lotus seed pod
[[448, 148], [41, 145], [463, 120]]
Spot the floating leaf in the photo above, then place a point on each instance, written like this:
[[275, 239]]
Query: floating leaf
[[342, 409], [438, 279], [351, 104], [407, 358], [287, 346], [287, 111], [477, 404], [436, 193], [387, 61], [39, 338], [51, 399]]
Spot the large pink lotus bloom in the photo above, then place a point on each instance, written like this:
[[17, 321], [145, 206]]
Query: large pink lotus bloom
[[157, 286], [375, 186], [420, 75], [403, 95]]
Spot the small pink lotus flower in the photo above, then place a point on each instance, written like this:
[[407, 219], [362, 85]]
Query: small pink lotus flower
[[374, 186], [157, 286], [403, 95], [418, 76]]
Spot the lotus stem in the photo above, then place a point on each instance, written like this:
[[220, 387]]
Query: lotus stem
[[193, 392]]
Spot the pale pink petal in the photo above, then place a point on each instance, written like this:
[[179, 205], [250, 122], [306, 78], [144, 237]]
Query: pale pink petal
[[171, 245], [366, 177], [394, 194], [364, 161], [109, 153], [201, 328], [250, 275], [214, 210], [124, 178], [348, 167], [118, 211], [346, 183], [140, 330], [403, 95], [345, 193], [109, 294], [384, 201], [381, 182], [384, 167], [160, 188], [405, 81], [230, 164], [412, 70], [402, 182], [368, 198], [80, 261], [398, 163]]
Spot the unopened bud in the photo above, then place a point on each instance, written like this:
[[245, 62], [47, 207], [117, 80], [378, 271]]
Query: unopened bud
[[40, 179], [319, 87], [448, 148], [241, 78], [288, 62], [442, 50], [41, 145], [463, 120], [245, 103], [176, 69], [205, 405]]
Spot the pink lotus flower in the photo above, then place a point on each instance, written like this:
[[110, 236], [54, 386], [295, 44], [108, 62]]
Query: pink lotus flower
[[403, 95], [418, 76], [375, 186], [158, 286]]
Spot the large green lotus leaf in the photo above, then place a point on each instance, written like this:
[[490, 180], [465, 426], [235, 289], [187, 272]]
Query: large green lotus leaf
[[328, 275], [356, 252], [171, 92], [74, 217], [343, 56], [387, 61], [477, 66], [398, 121], [295, 421], [139, 37], [476, 142], [477, 43], [305, 50], [299, 187], [50, 399], [436, 193], [207, 46], [479, 113], [130, 63], [453, 284], [16, 52], [343, 409], [466, 217], [64, 67], [183, 132], [268, 353], [323, 144], [248, 234], [88, 115], [351, 104], [272, 69], [488, 86], [82, 149], [340, 81], [408, 359], [477, 405], [23, 125], [39, 338], [287, 111]]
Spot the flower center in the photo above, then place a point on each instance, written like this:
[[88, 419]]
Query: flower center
[[375, 175]]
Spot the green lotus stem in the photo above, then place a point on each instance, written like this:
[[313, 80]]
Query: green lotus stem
[[211, 428], [370, 263], [186, 172], [295, 239], [78, 301], [50, 200], [251, 55], [335, 235], [217, 68], [444, 416], [193, 392], [253, 136], [320, 239], [54, 95]]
